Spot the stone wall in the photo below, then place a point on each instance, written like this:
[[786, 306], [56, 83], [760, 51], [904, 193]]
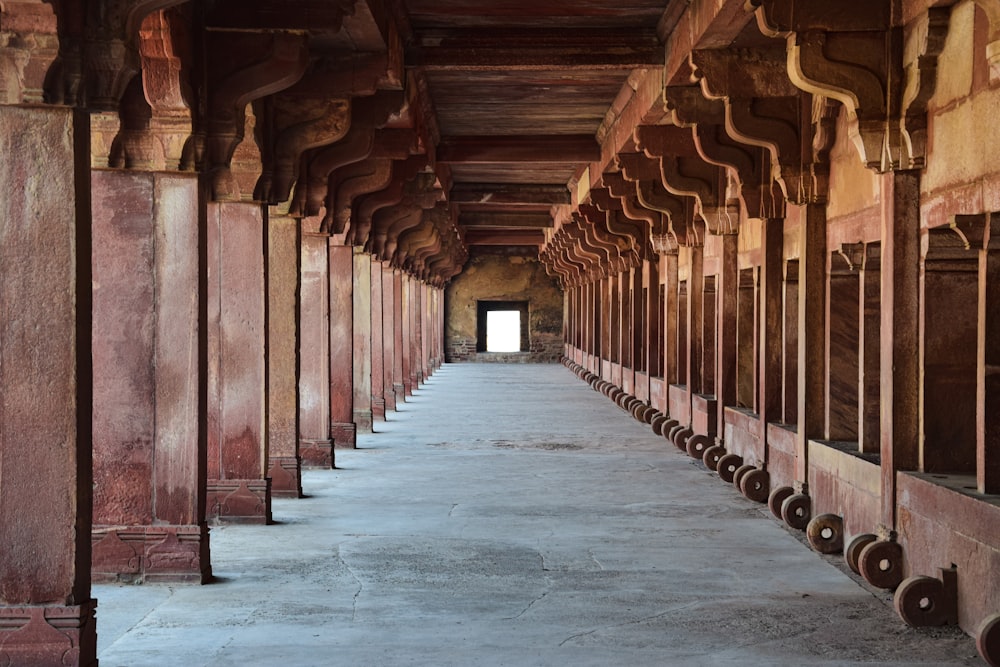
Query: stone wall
[[500, 277]]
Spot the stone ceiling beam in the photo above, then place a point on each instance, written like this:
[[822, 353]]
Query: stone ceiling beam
[[504, 149], [534, 49]]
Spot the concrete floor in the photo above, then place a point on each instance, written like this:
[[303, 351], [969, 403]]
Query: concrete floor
[[509, 515]]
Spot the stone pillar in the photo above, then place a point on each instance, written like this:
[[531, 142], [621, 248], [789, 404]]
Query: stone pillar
[[407, 342], [728, 288], [238, 491], [417, 339], [315, 441], [812, 333], [769, 325], [900, 368], [362, 355], [399, 337], [842, 346], [870, 316], [671, 340], [654, 333], [790, 342], [46, 612], [948, 344], [389, 325], [378, 347], [427, 330], [696, 286], [342, 428], [284, 463], [149, 505], [988, 361]]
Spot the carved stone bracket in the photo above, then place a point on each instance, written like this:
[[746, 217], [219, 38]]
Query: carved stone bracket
[[98, 51], [296, 122], [362, 213], [28, 46], [645, 174], [763, 109], [849, 257], [367, 114], [992, 11], [357, 179], [852, 52], [685, 173], [242, 67], [750, 164]]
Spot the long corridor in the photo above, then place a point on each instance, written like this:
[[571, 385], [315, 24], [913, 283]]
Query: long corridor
[[509, 515]]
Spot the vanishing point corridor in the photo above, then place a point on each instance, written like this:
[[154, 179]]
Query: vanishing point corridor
[[509, 515]]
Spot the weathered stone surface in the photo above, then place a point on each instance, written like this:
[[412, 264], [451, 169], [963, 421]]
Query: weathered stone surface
[[282, 349], [236, 334], [500, 278], [45, 375]]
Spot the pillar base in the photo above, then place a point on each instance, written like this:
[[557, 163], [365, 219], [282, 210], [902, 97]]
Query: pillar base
[[400, 391], [378, 408], [48, 635], [316, 453], [239, 500], [153, 554], [363, 421], [286, 476], [389, 400], [344, 436]]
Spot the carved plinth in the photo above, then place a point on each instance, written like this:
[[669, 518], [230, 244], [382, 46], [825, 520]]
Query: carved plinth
[[239, 500], [316, 453], [378, 407], [389, 401], [48, 635], [344, 435], [286, 476], [362, 421], [151, 554], [399, 389]]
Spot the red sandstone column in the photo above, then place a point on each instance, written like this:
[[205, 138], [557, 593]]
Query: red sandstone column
[[988, 357], [149, 506], [769, 335], [378, 346], [900, 370], [399, 336], [407, 322], [696, 286], [342, 428], [284, 463], [812, 333], [671, 341], [389, 325], [46, 612], [417, 337], [362, 355], [238, 491], [725, 367], [315, 443], [427, 329], [869, 319]]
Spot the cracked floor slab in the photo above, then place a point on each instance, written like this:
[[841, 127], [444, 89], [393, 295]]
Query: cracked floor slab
[[582, 538]]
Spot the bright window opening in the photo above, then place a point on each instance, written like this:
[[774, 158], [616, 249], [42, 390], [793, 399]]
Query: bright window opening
[[502, 326], [503, 331]]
